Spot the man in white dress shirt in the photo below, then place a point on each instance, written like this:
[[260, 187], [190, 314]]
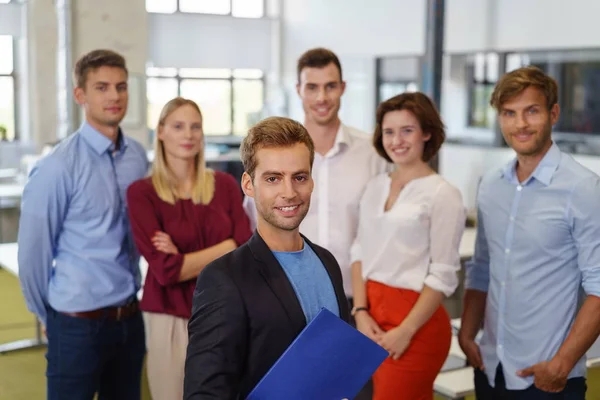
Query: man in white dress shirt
[[345, 160]]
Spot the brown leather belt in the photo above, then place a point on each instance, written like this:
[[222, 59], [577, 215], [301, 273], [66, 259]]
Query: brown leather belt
[[114, 313]]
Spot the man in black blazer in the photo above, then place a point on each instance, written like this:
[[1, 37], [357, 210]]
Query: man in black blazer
[[250, 304]]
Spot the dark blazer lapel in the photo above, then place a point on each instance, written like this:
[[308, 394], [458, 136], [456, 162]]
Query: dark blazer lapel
[[277, 280], [333, 270]]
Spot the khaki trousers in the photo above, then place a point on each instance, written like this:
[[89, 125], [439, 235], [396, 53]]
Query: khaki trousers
[[167, 342]]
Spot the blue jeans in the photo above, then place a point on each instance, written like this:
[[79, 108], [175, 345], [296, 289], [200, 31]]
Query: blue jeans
[[575, 389], [89, 356]]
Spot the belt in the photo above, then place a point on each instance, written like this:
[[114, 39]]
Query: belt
[[114, 313]]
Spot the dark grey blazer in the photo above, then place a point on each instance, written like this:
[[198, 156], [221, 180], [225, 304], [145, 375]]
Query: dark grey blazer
[[245, 314]]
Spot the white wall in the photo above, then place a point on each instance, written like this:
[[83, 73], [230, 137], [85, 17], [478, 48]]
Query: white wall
[[10, 19], [478, 25], [469, 25], [208, 41], [547, 24], [353, 27], [463, 166]]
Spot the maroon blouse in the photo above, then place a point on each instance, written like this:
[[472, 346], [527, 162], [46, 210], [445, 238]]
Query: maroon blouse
[[191, 228]]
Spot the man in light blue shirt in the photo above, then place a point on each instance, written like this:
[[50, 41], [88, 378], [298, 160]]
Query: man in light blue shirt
[[538, 243], [78, 266]]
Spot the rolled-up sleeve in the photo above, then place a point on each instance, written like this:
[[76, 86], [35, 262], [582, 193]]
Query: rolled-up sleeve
[[166, 268], [43, 210], [477, 270], [447, 226], [585, 227]]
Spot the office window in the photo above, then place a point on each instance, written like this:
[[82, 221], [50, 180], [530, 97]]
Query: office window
[[7, 90], [248, 8], [161, 6], [159, 91], [221, 7], [247, 104], [235, 8], [577, 74], [214, 99], [482, 73], [5, 1], [390, 89], [230, 100]]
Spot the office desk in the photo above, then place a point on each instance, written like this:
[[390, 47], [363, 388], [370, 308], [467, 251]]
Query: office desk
[[11, 190], [8, 173], [8, 261]]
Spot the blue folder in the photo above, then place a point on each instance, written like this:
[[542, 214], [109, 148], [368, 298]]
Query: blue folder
[[329, 360]]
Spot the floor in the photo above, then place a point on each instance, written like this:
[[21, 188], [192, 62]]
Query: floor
[[22, 373]]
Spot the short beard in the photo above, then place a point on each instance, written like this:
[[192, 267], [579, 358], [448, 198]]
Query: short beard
[[272, 219]]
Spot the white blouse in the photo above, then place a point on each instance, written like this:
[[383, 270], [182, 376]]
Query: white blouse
[[416, 242]]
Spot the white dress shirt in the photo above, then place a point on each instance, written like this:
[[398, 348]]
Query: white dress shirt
[[416, 242], [340, 178]]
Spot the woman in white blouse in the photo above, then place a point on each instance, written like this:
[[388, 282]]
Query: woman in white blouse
[[406, 256]]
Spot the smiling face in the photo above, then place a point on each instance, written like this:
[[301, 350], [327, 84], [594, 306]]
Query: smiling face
[[526, 122], [321, 90], [181, 133], [104, 96], [281, 187], [402, 137]]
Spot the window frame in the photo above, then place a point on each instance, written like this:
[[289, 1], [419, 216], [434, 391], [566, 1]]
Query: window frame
[[13, 77], [231, 102]]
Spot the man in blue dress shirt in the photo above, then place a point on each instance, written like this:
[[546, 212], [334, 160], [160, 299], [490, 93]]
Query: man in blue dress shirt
[[538, 244], [78, 265]]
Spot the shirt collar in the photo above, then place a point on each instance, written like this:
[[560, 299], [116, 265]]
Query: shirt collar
[[342, 136], [543, 172], [99, 142], [342, 140]]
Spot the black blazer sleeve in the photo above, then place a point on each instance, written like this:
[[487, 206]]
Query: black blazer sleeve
[[217, 338]]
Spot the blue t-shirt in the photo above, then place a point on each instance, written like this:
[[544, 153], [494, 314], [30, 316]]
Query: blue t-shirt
[[310, 281]]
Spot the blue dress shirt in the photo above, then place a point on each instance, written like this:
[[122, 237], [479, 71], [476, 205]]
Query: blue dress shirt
[[538, 242], [76, 252]]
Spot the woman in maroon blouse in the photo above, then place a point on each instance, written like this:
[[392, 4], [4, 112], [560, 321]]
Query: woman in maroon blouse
[[183, 217]]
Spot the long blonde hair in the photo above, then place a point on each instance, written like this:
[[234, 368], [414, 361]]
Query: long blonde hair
[[163, 179]]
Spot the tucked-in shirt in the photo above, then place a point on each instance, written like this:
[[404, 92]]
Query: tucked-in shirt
[[75, 248], [340, 178], [416, 242], [310, 281], [192, 227], [537, 242]]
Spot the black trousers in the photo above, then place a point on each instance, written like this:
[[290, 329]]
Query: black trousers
[[575, 389]]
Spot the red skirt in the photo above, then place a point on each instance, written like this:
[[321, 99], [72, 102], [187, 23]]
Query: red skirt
[[410, 377]]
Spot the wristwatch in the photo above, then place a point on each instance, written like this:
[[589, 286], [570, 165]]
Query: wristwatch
[[357, 309]]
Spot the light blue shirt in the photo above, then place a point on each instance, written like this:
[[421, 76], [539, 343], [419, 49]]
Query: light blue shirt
[[76, 252], [310, 281], [537, 243]]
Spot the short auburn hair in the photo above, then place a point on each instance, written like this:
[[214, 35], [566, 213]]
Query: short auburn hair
[[273, 132], [426, 113], [515, 82], [96, 59], [318, 58]]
